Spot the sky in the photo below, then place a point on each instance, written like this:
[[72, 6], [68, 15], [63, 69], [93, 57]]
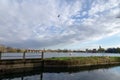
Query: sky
[[60, 24]]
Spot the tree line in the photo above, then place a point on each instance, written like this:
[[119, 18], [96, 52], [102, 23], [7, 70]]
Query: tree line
[[6, 49], [99, 50]]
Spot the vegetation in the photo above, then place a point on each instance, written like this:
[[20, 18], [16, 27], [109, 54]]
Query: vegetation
[[82, 60], [10, 49], [99, 50], [113, 50]]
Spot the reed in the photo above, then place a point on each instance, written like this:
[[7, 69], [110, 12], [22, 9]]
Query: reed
[[82, 60]]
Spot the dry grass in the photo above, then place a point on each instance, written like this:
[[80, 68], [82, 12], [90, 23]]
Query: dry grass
[[81, 60]]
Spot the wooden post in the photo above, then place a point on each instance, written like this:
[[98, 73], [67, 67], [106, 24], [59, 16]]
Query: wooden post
[[41, 76], [0, 55], [24, 55], [42, 62], [22, 78], [42, 55]]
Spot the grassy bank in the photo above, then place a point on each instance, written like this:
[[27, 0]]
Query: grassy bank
[[82, 61], [59, 63]]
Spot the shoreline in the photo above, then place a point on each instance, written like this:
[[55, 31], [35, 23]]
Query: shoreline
[[63, 62], [80, 61]]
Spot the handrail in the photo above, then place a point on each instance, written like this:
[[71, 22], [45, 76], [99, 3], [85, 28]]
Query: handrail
[[22, 56]]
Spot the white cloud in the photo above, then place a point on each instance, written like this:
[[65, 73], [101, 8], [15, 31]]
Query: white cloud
[[35, 23]]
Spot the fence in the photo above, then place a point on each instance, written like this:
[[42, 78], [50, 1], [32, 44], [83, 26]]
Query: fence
[[23, 55]]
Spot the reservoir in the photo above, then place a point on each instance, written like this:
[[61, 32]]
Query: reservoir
[[104, 73], [55, 54]]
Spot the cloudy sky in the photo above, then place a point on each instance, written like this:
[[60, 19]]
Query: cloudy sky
[[69, 24]]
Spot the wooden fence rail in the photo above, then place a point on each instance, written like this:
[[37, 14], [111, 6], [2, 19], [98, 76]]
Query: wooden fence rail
[[23, 55]]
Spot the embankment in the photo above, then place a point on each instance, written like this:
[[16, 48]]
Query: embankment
[[82, 62]]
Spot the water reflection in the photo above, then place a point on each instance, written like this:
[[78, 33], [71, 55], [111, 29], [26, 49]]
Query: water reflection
[[76, 73]]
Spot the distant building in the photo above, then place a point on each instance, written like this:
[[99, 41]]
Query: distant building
[[94, 50], [100, 49]]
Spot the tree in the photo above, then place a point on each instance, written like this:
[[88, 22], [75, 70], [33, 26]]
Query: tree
[[101, 49]]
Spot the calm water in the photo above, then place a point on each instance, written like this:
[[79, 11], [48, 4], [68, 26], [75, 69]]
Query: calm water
[[49, 55], [112, 73]]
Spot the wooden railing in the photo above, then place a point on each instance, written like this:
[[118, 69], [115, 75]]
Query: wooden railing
[[24, 55]]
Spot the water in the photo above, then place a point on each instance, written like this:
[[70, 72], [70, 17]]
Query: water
[[89, 73], [104, 73], [49, 55]]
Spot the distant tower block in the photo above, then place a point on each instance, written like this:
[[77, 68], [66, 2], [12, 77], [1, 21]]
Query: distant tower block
[[100, 47]]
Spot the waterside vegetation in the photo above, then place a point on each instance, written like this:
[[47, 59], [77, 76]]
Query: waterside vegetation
[[82, 61], [61, 62]]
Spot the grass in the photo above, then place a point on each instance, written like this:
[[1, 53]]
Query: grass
[[82, 60]]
